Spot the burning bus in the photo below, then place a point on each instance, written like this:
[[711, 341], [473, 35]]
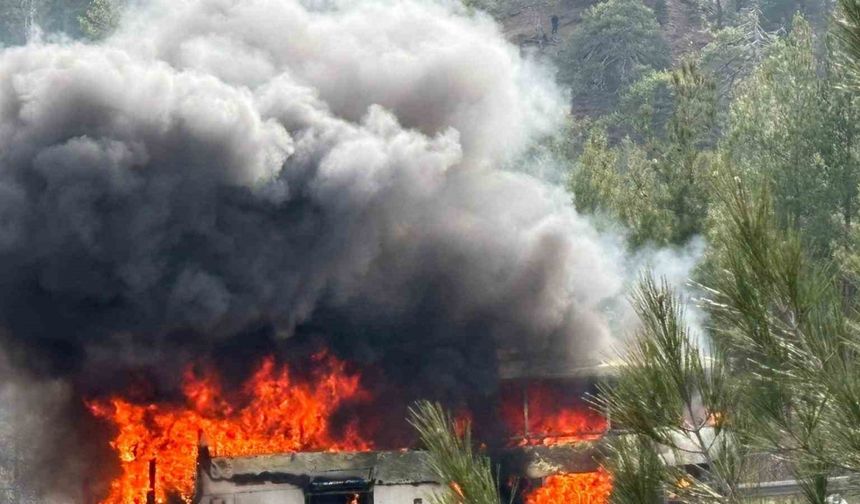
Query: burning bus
[[279, 443]]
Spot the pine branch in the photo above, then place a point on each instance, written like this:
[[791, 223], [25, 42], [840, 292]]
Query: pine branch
[[468, 474]]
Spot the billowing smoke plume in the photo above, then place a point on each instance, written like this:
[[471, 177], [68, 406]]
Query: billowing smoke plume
[[223, 177], [221, 164]]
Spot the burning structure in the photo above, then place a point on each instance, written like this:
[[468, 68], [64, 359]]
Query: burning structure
[[281, 222], [279, 438], [549, 449]]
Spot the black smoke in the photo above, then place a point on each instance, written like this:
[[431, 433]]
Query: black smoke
[[227, 179]]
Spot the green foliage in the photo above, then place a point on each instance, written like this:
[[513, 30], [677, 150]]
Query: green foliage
[[686, 162], [452, 457], [792, 124], [781, 379], [657, 190], [673, 396], [637, 471], [847, 33], [616, 42], [779, 13], [734, 53], [100, 19], [774, 185], [646, 107], [693, 122], [596, 181], [621, 183], [783, 320], [661, 12]]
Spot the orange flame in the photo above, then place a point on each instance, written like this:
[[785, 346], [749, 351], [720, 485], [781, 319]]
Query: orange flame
[[573, 488], [277, 414], [555, 416], [568, 426], [562, 418]]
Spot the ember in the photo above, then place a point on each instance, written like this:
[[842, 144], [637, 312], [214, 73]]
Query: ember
[[570, 488], [277, 413]]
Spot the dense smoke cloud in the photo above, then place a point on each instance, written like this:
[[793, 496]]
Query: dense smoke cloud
[[220, 164], [222, 176]]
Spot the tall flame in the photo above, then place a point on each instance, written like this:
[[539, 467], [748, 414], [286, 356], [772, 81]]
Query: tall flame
[[278, 413], [573, 488]]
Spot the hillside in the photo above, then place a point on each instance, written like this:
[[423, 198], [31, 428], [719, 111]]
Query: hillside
[[526, 21]]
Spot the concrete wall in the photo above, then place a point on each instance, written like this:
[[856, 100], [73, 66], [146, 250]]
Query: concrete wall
[[403, 494], [382, 494], [279, 496], [288, 496]]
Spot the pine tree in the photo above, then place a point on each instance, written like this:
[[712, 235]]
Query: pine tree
[[616, 42], [777, 377]]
